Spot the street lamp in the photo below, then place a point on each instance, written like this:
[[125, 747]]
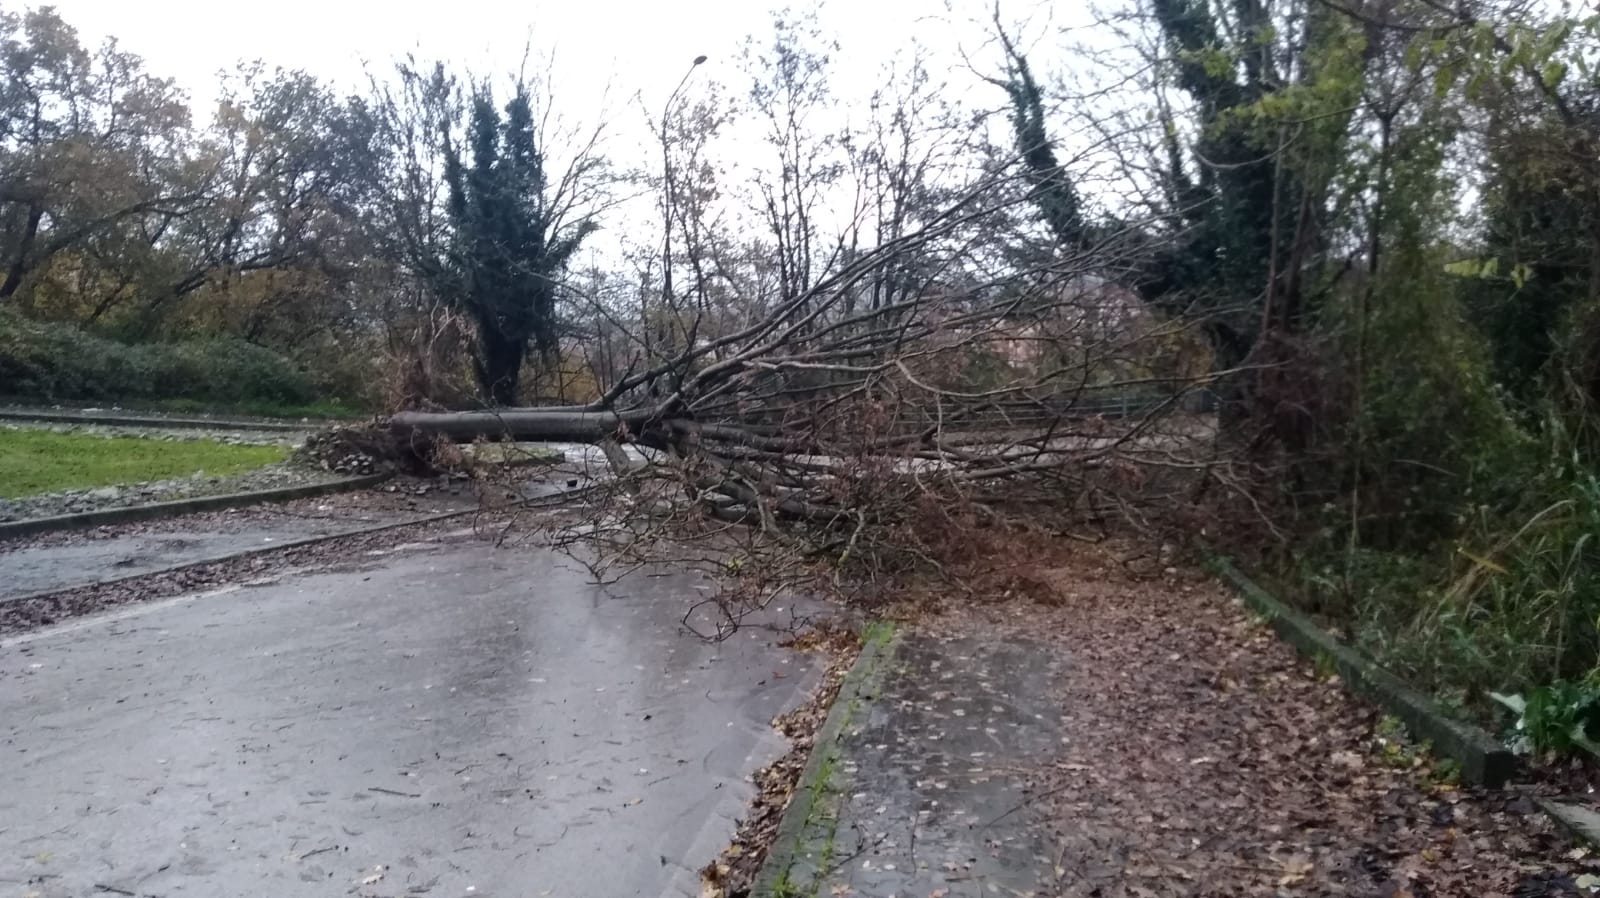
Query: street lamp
[[666, 168]]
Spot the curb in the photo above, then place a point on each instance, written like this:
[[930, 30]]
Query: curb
[[1579, 822], [288, 546], [158, 510], [807, 813], [121, 420], [1483, 759], [247, 553]]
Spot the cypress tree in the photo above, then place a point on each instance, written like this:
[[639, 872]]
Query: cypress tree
[[509, 250]]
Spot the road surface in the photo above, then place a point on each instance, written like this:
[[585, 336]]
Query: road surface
[[447, 719]]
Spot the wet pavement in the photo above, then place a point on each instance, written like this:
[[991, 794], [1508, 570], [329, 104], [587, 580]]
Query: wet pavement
[[80, 563], [929, 785], [446, 719]]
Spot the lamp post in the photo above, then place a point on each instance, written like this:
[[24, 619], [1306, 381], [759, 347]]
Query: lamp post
[[666, 167]]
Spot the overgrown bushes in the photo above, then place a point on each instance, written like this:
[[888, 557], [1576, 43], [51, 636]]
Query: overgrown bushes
[[47, 361], [1474, 563]]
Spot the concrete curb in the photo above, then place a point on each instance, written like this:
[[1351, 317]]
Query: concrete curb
[[247, 553], [1483, 759], [156, 423], [293, 544], [1578, 821], [808, 816], [158, 510]]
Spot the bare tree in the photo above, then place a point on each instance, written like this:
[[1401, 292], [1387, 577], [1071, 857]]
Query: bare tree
[[830, 436]]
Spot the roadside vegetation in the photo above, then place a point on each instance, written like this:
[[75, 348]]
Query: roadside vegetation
[[55, 362], [315, 410], [40, 461]]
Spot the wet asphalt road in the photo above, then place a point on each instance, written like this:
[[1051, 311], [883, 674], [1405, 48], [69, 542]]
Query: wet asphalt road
[[446, 720]]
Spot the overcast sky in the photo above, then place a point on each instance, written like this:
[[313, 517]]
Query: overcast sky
[[637, 46], [625, 54]]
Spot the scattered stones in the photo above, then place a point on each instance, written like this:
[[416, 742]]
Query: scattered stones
[[362, 504], [273, 476], [342, 450], [220, 435]]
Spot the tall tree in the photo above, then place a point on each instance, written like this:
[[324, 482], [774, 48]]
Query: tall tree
[[1054, 193], [511, 245], [1232, 197], [89, 143]]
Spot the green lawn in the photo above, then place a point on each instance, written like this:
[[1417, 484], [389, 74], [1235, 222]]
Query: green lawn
[[40, 461]]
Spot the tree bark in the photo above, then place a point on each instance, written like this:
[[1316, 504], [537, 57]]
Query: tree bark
[[19, 264], [578, 425]]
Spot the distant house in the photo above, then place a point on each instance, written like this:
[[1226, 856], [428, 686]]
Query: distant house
[[1090, 334]]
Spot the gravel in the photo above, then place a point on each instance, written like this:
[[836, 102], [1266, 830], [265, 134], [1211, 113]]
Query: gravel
[[400, 496], [220, 434], [273, 476]]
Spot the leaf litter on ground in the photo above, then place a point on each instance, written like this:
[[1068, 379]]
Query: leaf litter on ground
[[1205, 758], [732, 874]]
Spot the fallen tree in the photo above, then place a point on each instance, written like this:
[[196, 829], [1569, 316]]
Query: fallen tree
[[840, 433]]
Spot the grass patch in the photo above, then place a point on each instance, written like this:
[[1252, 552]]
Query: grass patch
[[816, 839], [41, 461]]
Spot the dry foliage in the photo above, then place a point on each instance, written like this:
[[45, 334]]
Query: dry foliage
[[841, 439], [1206, 758]]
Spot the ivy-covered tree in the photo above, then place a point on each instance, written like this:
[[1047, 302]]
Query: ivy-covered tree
[[1053, 192], [1237, 207], [510, 244], [1242, 223]]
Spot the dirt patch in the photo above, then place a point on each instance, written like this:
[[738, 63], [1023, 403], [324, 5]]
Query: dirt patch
[[733, 873], [1205, 758]]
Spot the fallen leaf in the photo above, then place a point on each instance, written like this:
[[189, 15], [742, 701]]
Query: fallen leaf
[[1295, 871]]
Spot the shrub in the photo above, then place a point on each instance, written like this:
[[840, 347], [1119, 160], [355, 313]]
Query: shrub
[[45, 361]]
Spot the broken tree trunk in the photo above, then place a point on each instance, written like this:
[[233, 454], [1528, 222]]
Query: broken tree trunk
[[569, 424]]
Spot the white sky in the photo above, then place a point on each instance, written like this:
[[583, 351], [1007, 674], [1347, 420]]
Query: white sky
[[616, 59], [639, 46]]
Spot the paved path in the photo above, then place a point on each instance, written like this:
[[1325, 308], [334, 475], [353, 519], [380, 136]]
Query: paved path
[[472, 721], [928, 792]]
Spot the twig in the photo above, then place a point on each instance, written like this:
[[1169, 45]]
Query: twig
[[1027, 801]]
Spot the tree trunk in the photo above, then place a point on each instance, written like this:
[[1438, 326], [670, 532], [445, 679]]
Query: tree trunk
[[499, 365], [19, 264], [568, 424]]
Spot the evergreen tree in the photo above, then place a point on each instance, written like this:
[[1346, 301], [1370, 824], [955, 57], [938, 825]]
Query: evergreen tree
[[510, 247]]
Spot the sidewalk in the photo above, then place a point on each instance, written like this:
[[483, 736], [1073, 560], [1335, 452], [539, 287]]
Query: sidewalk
[[930, 788], [1126, 737]]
